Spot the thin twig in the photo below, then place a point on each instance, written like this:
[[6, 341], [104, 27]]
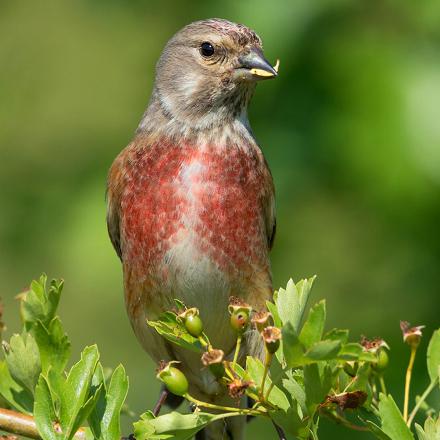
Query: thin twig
[[162, 398], [408, 381], [423, 397], [267, 362], [237, 350], [279, 431], [231, 409], [343, 421]]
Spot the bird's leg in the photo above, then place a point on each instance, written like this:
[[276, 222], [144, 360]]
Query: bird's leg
[[162, 398]]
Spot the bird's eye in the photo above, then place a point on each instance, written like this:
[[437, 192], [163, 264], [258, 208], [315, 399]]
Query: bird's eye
[[207, 49]]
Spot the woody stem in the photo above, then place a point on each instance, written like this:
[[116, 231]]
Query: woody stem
[[24, 425]]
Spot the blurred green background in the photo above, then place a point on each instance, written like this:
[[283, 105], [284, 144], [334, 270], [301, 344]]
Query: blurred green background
[[351, 130]]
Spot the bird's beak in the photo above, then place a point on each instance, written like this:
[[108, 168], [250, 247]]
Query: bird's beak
[[255, 63]]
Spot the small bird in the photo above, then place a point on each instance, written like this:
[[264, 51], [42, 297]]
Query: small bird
[[191, 205]]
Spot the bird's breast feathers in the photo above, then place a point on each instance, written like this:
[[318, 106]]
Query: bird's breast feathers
[[193, 218]]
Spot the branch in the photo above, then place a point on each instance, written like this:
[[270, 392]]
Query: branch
[[22, 424]]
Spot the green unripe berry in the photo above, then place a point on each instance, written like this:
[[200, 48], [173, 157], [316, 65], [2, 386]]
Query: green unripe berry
[[194, 325], [382, 361], [175, 381]]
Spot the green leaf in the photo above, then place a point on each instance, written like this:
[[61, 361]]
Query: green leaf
[[76, 388], [378, 433], [354, 352], [74, 397], [431, 430], [274, 312], [179, 304], [17, 397], [362, 379], [433, 356], [105, 418], [290, 422], [23, 360], [291, 302], [296, 391], [174, 425], [421, 434], [255, 369], [85, 410], [317, 384], [392, 421], [53, 343], [293, 350], [38, 304], [323, 350], [313, 328], [337, 334], [44, 411], [174, 331]]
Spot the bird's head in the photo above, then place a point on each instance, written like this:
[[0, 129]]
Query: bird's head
[[207, 72]]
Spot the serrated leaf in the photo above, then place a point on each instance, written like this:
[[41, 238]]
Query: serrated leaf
[[421, 434], [291, 301], [53, 343], [287, 302], [85, 410], [376, 430], [323, 350], [354, 352], [174, 425], [296, 391], [274, 312], [179, 304], [293, 350], [44, 412], [392, 422], [433, 356], [337, 334], [105, 418], [72, 399], [255, 369], [17, 397], [290, 422], [361, 381], [40, 304], [317, 384], [76, 388], [313, 328], [23, 359], [174, 331], [430, 431]]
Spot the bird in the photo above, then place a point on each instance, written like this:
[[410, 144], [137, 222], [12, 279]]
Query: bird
[[191, 199]]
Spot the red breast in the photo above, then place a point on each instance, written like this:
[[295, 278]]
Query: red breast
[[215, 193]]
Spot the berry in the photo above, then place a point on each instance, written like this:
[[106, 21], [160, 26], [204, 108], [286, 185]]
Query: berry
[[194, 325], [175, 381]]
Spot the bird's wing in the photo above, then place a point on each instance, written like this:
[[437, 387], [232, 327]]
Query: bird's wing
[[115, 186], [270, 212]]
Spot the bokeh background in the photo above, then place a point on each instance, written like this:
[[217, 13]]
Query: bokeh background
[[351, 130]]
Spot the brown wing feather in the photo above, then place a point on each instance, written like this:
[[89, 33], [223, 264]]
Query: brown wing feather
[[115, 183]]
